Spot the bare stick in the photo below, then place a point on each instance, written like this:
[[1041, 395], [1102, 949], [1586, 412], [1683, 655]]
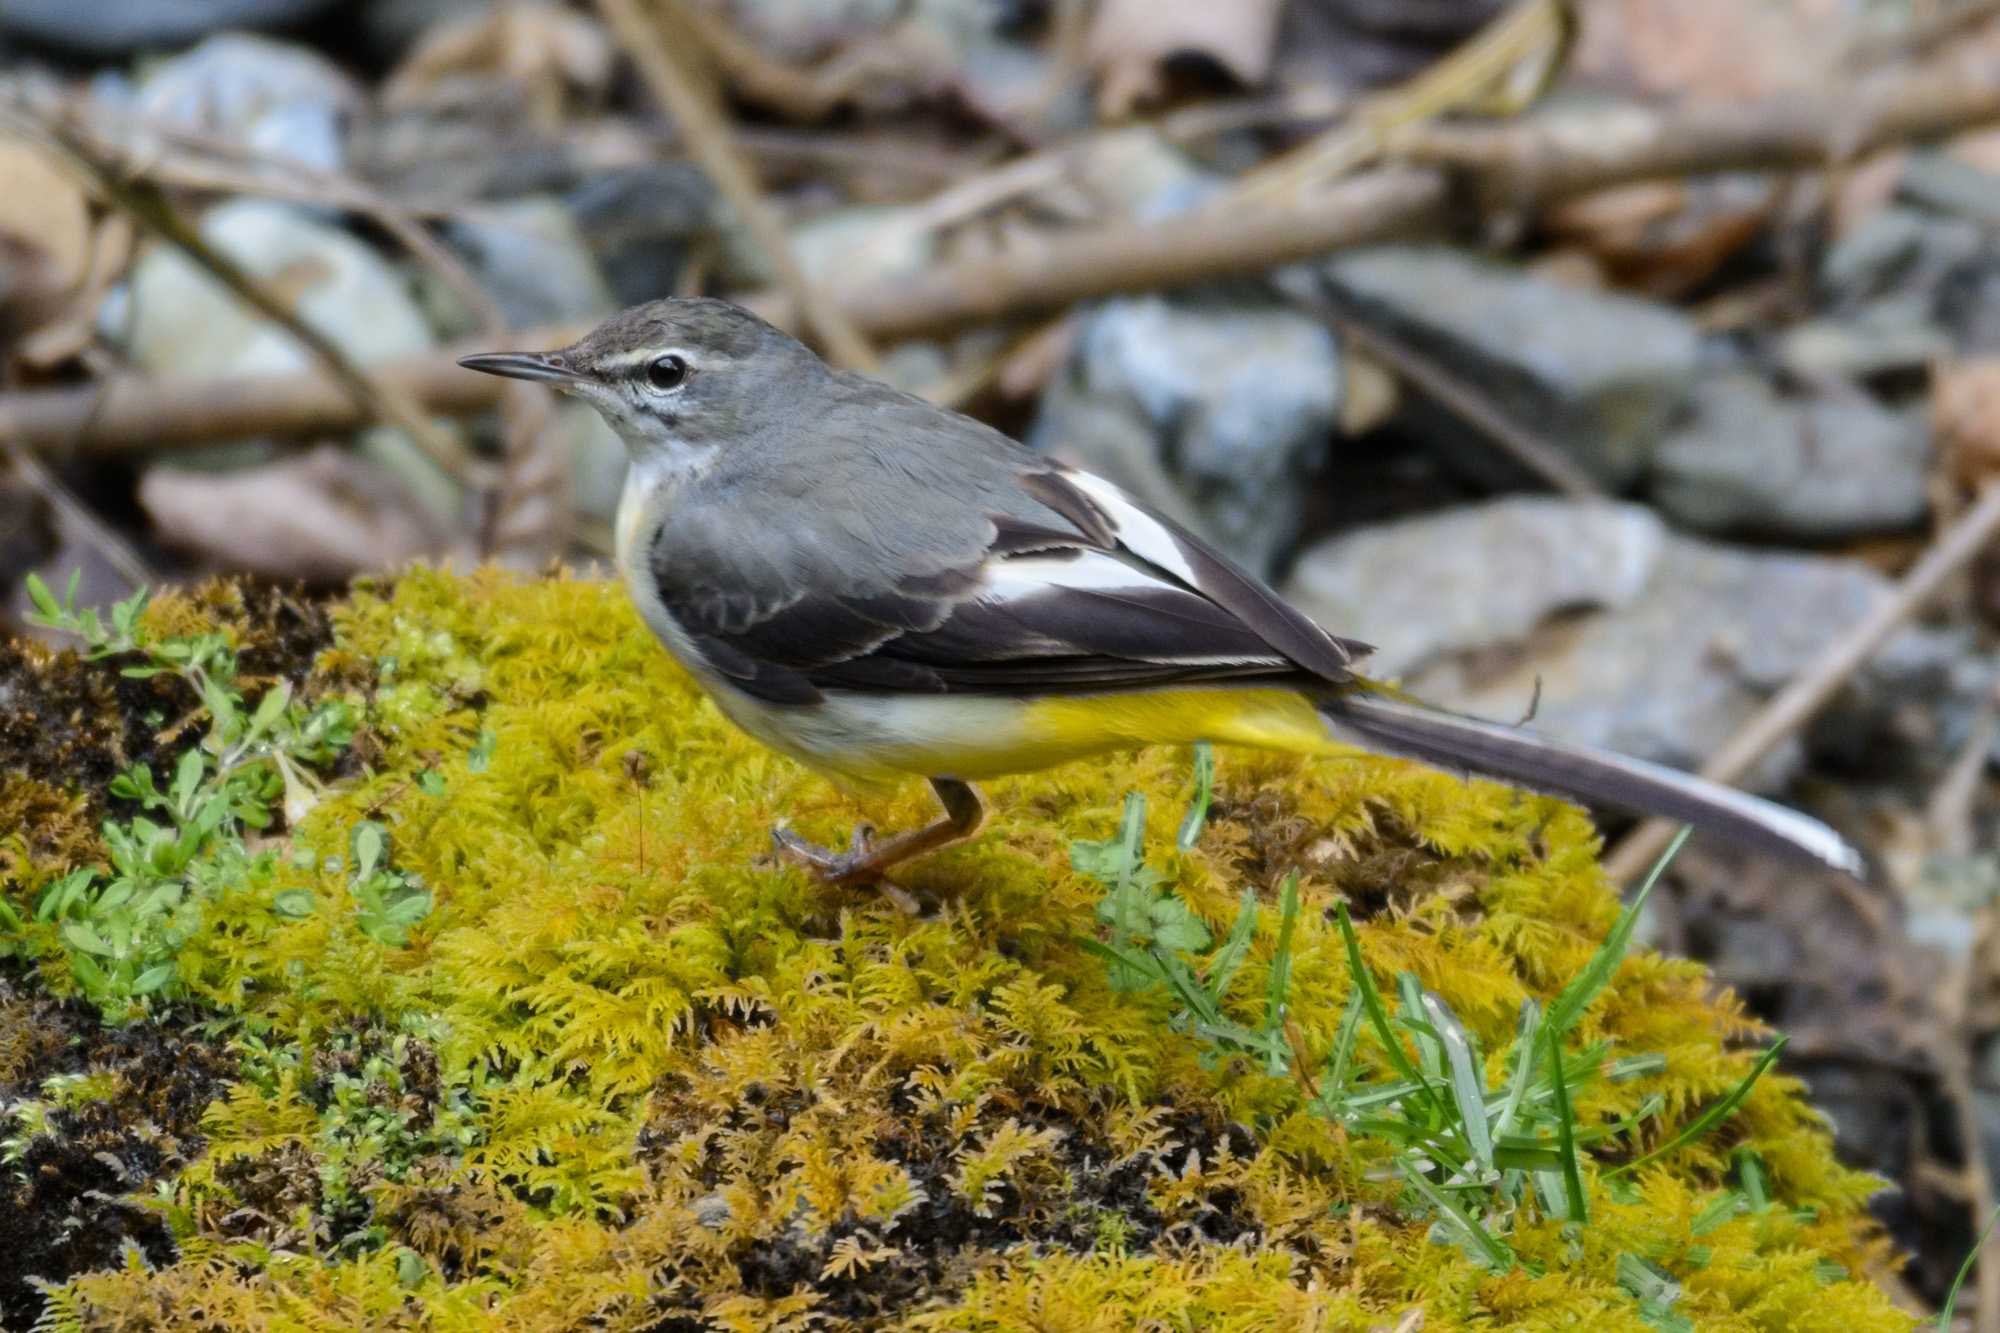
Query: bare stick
[[150, 208], [1555, 155], [1526, 163], [1809, 691], [1104, 261], [1471, 405], [708, 138], [126, 413]]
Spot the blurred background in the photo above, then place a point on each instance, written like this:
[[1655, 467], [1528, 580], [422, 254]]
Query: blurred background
[[1630, 364]]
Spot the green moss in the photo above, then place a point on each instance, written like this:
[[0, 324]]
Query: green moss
[[664, 1083]]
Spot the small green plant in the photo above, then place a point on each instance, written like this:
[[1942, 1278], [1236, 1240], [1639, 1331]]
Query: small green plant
[[384, 1105], [1472, 1157], [122, 926]]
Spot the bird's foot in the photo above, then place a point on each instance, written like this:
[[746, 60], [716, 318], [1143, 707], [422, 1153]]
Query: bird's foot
[[853, 868]]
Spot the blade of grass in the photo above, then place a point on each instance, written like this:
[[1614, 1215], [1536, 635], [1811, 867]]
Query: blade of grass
[[1492, 1250], [1709, 1118], [1371, 1001], [1587, 984], [1467, 1075], [1578, 1209], [1222, 967], [1971, 1257], [1333, 1085], [1527, 1047], [1196, 818]]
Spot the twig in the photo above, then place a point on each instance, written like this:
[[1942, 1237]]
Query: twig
[[708, 138], [1470, 404], [1808, 692], [145, 203], [1482, 69], [1103, 261], [126, 413], [123, 413], [216, 166], [1556, 155], [1532, 162]]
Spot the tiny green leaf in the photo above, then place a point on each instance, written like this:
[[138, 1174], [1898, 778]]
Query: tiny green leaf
[[367, 845], [293, 904], [47, 612]]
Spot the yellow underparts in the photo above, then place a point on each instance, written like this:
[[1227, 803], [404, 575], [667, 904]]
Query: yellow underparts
[[1267, 719]]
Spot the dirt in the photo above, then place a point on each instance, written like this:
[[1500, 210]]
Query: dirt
[[63, 1205]]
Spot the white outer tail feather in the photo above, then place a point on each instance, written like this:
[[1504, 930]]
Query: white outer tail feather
[[1582, 773]]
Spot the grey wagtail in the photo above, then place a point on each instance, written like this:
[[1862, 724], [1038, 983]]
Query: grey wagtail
[[882, 589]]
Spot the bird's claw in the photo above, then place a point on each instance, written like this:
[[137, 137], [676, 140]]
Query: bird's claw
[[848, 869]]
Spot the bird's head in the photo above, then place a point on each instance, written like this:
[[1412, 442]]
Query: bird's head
[[674, 378]]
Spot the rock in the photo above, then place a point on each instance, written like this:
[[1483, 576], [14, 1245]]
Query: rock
[[529, 254], [1898, 333], [1597, 373], [1821, 469], [1667, 670], [1217, 405], [1896, 249], [1476, 577], [864, 244], [182, 322], [123, 27], [642, 223], [270, 97]]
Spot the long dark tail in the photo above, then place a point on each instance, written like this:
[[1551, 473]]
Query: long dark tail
[[1582, 773]]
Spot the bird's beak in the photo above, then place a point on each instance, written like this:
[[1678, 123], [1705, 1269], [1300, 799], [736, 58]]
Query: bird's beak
[[547, 366]]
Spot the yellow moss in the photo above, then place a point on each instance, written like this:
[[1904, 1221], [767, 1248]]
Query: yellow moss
[[701, 1087]]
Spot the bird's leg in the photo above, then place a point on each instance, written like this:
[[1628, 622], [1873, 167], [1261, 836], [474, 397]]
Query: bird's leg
[[867, 861]]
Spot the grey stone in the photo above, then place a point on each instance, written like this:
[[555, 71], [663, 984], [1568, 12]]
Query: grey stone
[[1597, 373], [642, 223], [271, 97], [179, 321], [1218, 405], [1896, 248], [1677, 674], [529, 254], [863, 244], [712, 1211], [1474, 578], [121, 27], [1824, 468], [1644, 642], [1896, 333]]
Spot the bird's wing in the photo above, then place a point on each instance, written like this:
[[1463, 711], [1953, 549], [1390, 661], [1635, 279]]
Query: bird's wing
[[994, 572]]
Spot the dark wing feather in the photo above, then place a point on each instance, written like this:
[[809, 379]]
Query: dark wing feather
[[899, 569]]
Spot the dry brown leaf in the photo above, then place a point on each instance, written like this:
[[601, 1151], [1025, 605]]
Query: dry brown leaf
[[45, 233], [1965, 405], [1716, 49], [1668, 237], [549, 51], [322, 516], [1130, 40]]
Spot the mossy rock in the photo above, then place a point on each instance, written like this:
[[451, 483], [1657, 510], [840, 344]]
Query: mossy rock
[[629, 1074]]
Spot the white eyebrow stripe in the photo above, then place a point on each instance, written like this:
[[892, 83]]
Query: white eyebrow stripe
[[628, 360]]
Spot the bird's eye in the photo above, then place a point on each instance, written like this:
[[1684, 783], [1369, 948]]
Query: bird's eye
[[666, 372]]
